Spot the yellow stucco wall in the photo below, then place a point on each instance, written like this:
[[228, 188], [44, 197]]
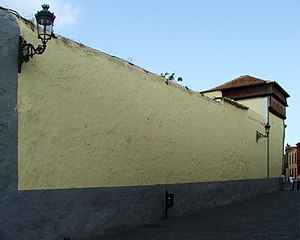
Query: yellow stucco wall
[[214, 94], [87, 119], [259, 105], [276, 145]]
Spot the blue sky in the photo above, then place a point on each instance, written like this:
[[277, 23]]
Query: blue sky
[[207, 42]]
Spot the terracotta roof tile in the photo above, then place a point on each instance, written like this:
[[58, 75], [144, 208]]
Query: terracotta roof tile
[[241, 81]]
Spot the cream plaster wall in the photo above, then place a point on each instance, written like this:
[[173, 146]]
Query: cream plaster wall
[[87, 119], [259, 105], [276, 145], [215, 94]]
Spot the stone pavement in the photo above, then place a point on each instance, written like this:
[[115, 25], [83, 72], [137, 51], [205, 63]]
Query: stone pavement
[[274, 216]]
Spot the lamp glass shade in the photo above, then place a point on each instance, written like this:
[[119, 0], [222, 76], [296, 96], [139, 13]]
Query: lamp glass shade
[[44, 20], [267, 128]]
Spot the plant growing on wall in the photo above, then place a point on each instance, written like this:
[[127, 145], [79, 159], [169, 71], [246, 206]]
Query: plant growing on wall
[[170, 77]]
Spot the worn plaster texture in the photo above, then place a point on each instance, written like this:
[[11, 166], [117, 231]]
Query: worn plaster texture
[[277, 132], [98, 121]]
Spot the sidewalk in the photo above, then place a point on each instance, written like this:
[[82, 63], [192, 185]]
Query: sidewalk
[[271, 217]]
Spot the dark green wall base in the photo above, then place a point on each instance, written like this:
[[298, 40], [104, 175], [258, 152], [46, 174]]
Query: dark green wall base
[[9, 38], [86, 213]]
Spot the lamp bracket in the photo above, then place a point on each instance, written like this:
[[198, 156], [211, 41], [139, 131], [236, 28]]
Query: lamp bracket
[[27, 51], [259, 135]]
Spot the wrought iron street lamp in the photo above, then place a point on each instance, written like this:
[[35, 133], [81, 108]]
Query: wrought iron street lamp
[[44, 20], [260, 135]]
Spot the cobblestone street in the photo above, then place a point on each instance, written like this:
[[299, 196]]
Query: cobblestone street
[[274, 216]]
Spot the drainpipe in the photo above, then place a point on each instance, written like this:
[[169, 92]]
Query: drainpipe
[[283, 158], [268, 156], [268, 141]]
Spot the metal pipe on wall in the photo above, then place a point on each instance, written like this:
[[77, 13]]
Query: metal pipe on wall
[[268, 141]]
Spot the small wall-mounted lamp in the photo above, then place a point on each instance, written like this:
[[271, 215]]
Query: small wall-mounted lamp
[[44, 20], [260, 135]]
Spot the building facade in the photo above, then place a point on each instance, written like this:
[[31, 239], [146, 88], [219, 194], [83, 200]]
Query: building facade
[[90, 143], [268, 99], [292, 158]]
